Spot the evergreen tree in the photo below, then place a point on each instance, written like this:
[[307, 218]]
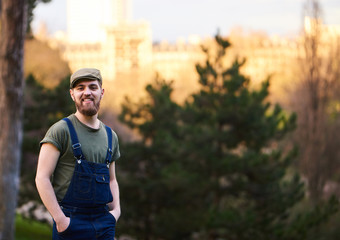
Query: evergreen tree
[[151, 179], [213, 168], [231, 135]]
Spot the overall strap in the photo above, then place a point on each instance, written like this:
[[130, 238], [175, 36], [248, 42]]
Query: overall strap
[[108, 158], [76, 146]]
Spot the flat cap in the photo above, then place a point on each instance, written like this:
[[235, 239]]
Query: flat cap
[[85, 73]]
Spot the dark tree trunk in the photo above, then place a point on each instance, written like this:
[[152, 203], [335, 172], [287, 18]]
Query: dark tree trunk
[[12, 34]]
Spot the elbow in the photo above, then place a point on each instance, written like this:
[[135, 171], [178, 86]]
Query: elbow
[[39, 180]]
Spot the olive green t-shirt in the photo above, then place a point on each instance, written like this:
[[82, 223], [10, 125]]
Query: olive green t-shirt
[[94, 145]]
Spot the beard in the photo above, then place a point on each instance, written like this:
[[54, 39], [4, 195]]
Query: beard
[[88, 110]]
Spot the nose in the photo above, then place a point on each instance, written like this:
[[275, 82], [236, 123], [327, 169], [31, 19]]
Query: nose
[[87, 91]]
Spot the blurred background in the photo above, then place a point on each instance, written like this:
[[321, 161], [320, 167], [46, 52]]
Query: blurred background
[[227, 112]]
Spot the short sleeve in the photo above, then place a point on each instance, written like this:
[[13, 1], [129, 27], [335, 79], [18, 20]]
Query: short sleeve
[[115, 143], [57, 135]]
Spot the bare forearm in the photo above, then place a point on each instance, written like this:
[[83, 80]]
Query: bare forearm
[[48, 158], [48, 198], [115, 204]]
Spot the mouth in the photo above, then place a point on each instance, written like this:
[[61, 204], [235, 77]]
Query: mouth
[[87, 100]]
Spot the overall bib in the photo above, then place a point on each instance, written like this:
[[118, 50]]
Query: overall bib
[[87, 196]]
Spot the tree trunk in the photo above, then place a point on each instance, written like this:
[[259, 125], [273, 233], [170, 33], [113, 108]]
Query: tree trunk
[[313, 100], [12, 34]]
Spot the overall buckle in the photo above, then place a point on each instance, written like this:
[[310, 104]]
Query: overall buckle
[[75, 146]]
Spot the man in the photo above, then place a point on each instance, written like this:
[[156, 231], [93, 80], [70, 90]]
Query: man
[[76, 176]]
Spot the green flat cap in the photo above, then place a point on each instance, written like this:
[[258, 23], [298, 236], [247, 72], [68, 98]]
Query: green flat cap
[[85, 73]]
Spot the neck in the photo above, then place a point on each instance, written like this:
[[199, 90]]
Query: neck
[[91, 121]]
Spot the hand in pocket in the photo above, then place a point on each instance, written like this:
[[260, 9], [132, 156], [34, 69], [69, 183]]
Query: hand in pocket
[[63, 225]]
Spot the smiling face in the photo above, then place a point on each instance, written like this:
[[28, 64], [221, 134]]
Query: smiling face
[[87, 95]]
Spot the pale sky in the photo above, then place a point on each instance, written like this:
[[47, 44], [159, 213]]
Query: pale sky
[[171, 19]]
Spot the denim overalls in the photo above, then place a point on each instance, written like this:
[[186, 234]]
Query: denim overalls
[[87, 196]]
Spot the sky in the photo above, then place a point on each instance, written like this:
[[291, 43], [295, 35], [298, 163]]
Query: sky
[[173, 19]]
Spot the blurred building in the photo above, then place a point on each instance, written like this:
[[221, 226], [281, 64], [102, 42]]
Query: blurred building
[[102, 34], [88, 20]]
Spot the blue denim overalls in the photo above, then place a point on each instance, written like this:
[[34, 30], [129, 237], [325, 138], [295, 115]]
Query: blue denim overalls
[[87, 196]]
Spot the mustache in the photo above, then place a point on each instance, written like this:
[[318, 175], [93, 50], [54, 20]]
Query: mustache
[[87, 98]]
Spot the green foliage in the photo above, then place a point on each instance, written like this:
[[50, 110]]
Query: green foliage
[[212, 168], [328, 231], [147, 180], [307, 223], [230, 134], [43, 106]]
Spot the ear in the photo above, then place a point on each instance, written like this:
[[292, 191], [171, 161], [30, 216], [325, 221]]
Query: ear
[[102, 93], [72, 95]]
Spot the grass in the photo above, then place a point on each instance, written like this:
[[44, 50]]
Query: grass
[[27, 229]]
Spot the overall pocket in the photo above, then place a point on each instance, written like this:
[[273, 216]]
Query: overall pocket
[[102, 189], [82, 186]]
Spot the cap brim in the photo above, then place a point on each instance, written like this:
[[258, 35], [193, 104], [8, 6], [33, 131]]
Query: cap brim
[[82, 78]]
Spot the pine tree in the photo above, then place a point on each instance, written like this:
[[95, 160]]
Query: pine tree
[[213, 168], [231, 142], [151, 179]]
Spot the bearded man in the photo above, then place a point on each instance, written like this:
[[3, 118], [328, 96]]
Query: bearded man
[[76, 177]]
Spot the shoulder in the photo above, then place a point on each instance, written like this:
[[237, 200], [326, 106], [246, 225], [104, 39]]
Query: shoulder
[[59, 127], [73, 118], [115, 144], [114, 134], [57, 134]]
